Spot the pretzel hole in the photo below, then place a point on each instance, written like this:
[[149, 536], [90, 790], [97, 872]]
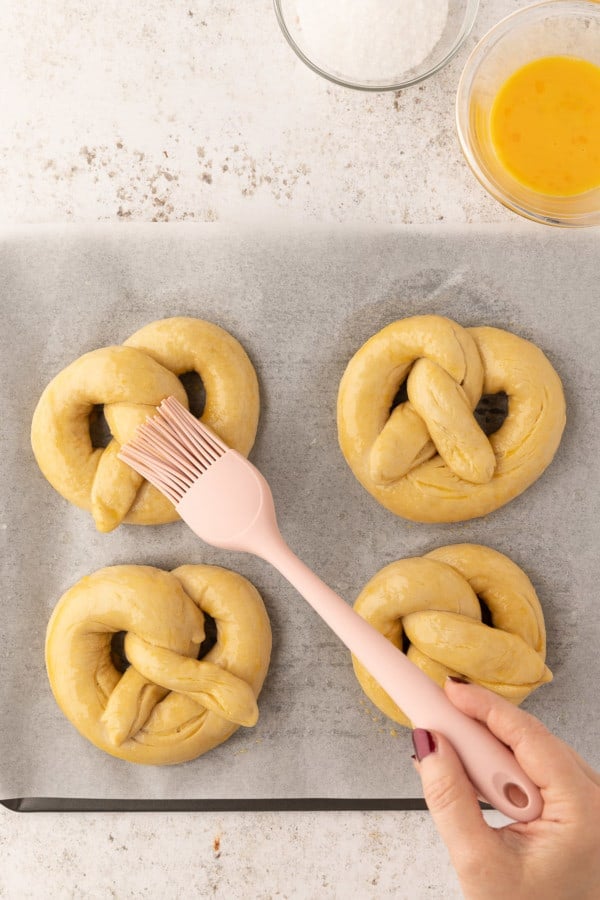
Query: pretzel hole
[[100, 434], [405, 642], [196, 393], [486, 615], [491, 411], [117, 651], [210, 635], [401, 396]]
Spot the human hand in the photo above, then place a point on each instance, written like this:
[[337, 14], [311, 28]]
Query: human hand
[[555, 857]]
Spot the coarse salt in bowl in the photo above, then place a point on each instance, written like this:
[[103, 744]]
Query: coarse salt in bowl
[[376, 45]]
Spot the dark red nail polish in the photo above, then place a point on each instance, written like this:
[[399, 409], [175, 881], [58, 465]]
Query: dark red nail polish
[[457, 680], [423, 743]]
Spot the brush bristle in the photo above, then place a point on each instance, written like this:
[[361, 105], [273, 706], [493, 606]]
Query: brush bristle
[[172, 449]]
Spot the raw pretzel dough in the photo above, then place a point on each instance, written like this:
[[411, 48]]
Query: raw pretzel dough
[[130, 381], [433, 600], [428, 459], [168, 706]]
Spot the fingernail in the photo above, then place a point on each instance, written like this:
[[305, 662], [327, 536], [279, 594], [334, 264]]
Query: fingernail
[[457, 680], [423, 743]]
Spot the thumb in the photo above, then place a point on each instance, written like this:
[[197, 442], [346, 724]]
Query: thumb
[[449, 794]]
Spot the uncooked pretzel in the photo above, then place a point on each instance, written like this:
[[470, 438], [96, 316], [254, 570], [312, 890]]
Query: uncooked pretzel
[[168, 706], [427, 459], [129, 381], [433, 601]]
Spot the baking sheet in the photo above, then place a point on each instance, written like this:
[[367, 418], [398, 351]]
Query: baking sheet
[[301, 302]]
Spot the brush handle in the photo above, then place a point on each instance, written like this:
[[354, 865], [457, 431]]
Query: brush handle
[[490, 765]]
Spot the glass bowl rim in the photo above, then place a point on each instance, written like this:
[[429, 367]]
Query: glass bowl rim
[[503, 28], [472, 8]]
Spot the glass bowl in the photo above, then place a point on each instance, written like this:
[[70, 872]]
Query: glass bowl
[[363, 57], [553, 28]]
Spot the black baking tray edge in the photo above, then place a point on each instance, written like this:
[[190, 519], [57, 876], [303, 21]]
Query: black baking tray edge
[[292, 804]]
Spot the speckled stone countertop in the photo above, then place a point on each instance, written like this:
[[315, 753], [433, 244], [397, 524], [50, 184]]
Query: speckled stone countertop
[[197, 110]]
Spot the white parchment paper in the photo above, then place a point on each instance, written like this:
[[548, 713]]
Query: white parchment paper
[[301, 302]]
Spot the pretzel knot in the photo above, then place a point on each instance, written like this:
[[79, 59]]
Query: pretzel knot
[[427, 458], [129, 382], [167, 706], [433, 603]]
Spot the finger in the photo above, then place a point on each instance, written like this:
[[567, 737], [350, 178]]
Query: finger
[[542, 756], [585, 767], [449, 794]]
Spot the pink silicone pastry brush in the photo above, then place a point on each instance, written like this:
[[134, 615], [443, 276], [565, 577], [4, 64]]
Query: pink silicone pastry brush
[[226, 501]]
